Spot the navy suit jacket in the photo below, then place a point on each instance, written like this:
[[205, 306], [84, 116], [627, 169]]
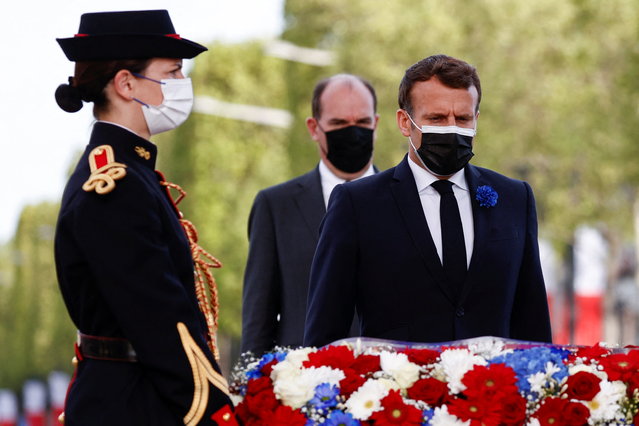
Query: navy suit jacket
[[375, 253]]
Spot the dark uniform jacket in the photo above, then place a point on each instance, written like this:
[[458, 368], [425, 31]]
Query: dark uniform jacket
[[375, 253], [125, 271]]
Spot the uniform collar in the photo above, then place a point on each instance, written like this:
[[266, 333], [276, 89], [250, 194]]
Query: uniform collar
[[128, 147]]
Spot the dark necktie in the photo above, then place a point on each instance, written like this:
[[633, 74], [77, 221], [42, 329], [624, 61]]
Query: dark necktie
[[453, 245]]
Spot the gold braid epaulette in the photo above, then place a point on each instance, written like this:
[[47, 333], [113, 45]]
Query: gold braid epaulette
[[104, 170], [205, 285]]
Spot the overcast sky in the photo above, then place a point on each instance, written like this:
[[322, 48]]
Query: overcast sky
[[39, 140]]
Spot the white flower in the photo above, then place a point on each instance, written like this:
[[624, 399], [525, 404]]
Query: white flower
[[454, 364], [533, 422], [367, 399], [400, 368], [488, 347], [442, 417], [605, 405], [540, 380], [295, 390]]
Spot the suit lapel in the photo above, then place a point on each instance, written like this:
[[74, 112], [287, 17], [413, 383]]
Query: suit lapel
[[407, 199], [481, 220], [310, 201]]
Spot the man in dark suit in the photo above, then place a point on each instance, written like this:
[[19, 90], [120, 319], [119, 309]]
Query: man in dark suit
[[284, 221], [420, 266]]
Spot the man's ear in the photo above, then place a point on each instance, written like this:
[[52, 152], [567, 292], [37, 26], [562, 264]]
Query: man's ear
[[403, 122], [313, 127], [124, 84]]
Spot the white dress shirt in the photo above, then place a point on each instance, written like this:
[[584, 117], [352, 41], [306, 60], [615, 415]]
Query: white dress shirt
[[330, 181], [430, 204]]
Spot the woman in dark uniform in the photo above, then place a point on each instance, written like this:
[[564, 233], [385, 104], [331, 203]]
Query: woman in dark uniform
[[125, 258]]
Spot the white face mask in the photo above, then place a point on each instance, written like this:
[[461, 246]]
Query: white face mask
[[174, 109]]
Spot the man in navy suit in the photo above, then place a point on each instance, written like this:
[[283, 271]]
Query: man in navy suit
[[383, 246], [284, 221]]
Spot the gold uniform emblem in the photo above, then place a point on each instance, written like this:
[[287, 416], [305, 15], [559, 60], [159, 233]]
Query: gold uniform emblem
[[104, 170]]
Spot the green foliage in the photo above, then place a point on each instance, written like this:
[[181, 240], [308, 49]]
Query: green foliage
[[36, 332]]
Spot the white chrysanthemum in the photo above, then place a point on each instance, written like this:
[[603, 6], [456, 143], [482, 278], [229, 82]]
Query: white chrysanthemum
[[400, 368], [533, 422], [605, 405], [298, 356], [454, 364], [295, 390], [367, 399], [442, 417]]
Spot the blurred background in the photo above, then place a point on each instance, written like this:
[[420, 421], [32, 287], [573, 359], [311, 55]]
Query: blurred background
[[560, 109]]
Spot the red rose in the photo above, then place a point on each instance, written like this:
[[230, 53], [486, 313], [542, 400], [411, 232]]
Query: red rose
[[422, 356], [513, 409], [365, 364], [258, 385], [260, 399], [583, 386], [431, 391], [575, 414], [339, 357], [286, 416], [485, 382], [396, 412]]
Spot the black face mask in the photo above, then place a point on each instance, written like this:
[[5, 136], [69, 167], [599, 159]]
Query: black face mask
[[349, 148], [445, 154]]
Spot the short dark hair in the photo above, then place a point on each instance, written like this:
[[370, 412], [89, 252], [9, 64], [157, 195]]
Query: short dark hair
[[452, 72], [316, 106]]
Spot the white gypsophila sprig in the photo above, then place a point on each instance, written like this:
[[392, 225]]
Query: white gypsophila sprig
[[399, 368], [489, 347]]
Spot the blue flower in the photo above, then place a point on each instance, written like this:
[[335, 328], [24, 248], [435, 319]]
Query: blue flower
[[325, 396], [340, 418], [530, 361], [256, 372], [427, 416], [486, 196]]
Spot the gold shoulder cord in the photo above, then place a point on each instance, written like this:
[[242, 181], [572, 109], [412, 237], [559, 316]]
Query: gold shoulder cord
[[205, 285], [203, 373]]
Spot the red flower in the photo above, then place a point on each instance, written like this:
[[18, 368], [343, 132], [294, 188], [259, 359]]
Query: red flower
[[351, 382], [267, 368], [340, 357], [260, 401], [576, 414], [286, 416], [620, 366], [556, 411], [485, 382], [422, 356], [590, 353], [365, 364], [635, 420], [633, 385], [583, 386], [513, 409], [396, 412], [479, 412], [432, 391]]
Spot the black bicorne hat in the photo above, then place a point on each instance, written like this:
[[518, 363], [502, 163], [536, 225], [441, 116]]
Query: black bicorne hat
[[141, 34]]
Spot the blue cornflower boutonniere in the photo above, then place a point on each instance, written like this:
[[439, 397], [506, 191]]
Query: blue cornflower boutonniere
[[486, 196]]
